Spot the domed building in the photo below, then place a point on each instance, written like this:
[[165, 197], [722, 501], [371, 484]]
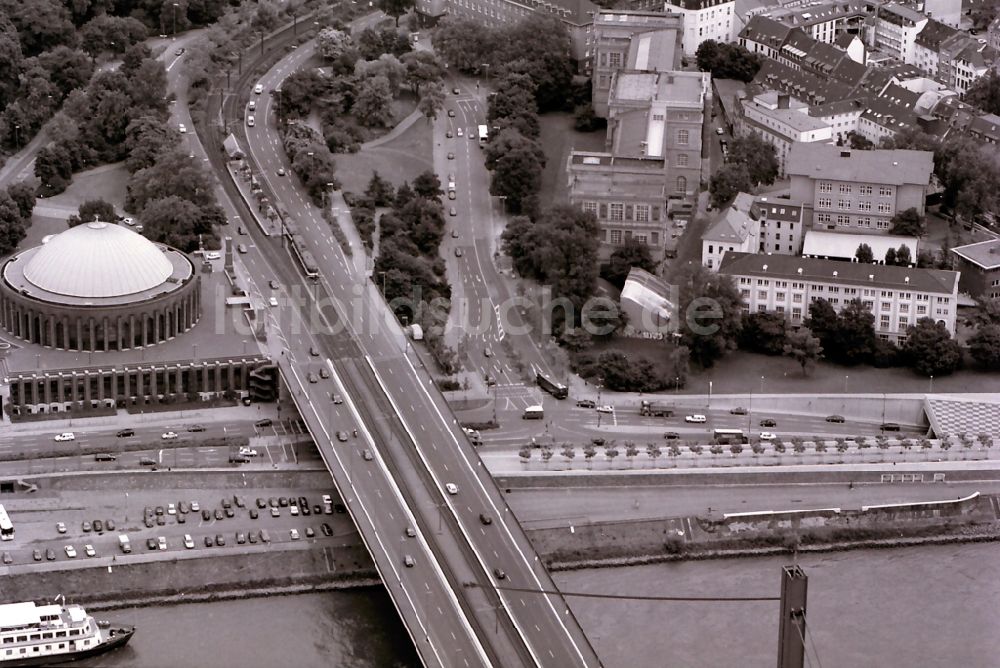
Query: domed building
[[99, 287]]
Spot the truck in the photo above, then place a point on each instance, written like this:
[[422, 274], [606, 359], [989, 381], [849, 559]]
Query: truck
[[533, 413], [557, 390], [655, 409], [124, 543]]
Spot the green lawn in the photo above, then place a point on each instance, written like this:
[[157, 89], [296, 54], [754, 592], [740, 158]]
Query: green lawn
[[558, 138], [398, 160], [741, 372]]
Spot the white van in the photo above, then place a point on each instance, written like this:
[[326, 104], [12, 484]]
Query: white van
[[533, 413], [250, 121], [124, 544]]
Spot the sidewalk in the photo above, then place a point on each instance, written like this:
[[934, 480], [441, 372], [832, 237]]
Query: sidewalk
[[123, 419]]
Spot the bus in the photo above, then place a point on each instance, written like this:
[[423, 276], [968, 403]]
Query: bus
[[730, 436], [557, 390], [484, 134], [6, 526]]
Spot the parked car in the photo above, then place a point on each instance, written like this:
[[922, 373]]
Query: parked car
[[188, 541], [89, 550], [220, 540], [60, 527], [50, 554], [161, 542], [326, 529], [98, 526], [86, 526], [294, 534], [70, 551], [275, 512], [310, 533], [208, 541], [36, 555], [196, 428], [150, 543]]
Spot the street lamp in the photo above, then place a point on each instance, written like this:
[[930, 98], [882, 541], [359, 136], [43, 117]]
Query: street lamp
[[175, 20], [931, 388], [762, 384], [845, 383], [382, 274], [17, 135], [709, 395]]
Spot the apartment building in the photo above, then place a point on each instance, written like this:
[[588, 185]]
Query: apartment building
[[753, 225], [979, 264], [652, 154], [704, 19], [895, 30], [781, 120], [897, 296], [822, 21], [631, 40], [857, 191]]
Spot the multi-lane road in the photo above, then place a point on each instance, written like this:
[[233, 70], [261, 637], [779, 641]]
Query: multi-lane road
[[466, 538]]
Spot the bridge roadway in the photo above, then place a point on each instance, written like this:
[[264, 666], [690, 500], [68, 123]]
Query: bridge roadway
[[451, 600]]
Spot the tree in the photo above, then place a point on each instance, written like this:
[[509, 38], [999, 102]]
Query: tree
[[707, 54], [625, 373], [422, 68], [727, 61], [589, 451], [712, 310], [24, 196], [173, 221], [679, 367], [987, 311], [632, 253], [757, 155], [12, 225], [855, 340], [107, 33], [539, 46], [823, 322], [432, 101], [387, 65], [864, 254], [517, 171], [146, 138], [985, 92], [908, 223], [316, 169], [985, 346], [930, 349], [173, 174], [585, 120], [373, 106], [858, 141], [890, 257], [41, 24], [54, 167], [903, 256], [379, 191], [67, 68], [465, 43], [94, 209], [804, 348], [763, 332], [731, 179], [427, 185], [334, 44], [395, 8]]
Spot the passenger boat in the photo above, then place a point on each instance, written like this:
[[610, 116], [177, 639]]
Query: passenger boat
[[50, 634]]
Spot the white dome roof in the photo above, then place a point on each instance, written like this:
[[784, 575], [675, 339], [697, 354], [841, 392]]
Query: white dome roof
[[98, 260]]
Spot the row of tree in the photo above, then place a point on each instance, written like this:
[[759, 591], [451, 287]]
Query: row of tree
[[900, 257], [17, 201], [727, 61], [412, 269]]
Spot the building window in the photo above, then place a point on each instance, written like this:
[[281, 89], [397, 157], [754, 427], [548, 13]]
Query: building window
[[642, 213], [845, 188], [745, 294], [682, 184], [921, 309], [823, 218], [590, 207], [844, 204], [882, 224], [796, 314], [884, 207], [903, 321], [884, 191], [617, 211], [865, 190], [868, 304], [864, 206], [762, 294], [761, 308], [780, 296], [825, 187], [616, 236], [843, 221], [904, 308], [615, 59], [884, 322], [886, 306], [682, 137], [682, 160]]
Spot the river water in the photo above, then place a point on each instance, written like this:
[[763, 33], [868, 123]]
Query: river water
[[922, 606]]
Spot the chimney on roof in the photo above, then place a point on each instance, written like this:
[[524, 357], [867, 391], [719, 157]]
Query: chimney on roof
[[834, 273], [906, 279], [895, 164], [871, 277], [764, 267], [783, 100], [845, 153], [800, 271]]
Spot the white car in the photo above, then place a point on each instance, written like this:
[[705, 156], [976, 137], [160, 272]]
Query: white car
[[250, 121], [606, 409], [181, 127], [89, 549], [273, 301], [70, 552], [720, 131], [294, 533], [294, 510], [195, 507], [65, 436], [213, 255], [129, 221], [168, 436], [452, 488], [171, 509], [188, 541], [459, 132], [161, 543], [697, 419], [767, 436], [248, 452], [258, 89]]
